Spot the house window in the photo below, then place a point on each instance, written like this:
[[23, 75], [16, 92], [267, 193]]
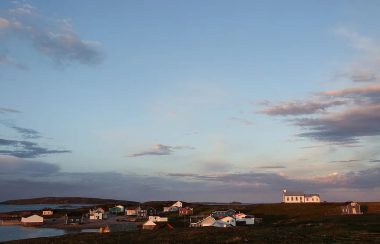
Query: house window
[[287, 198], [296, 198], [292, 198]]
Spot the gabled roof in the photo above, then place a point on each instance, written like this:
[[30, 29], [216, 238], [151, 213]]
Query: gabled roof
[[240, 215], [149, 222], [33, 215]]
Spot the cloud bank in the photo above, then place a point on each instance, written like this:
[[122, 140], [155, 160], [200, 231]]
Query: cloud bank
[[22, 178]]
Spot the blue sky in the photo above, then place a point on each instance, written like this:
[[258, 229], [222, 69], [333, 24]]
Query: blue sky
[[192, 100]]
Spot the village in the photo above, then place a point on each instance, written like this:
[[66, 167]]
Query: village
[[126, 218], [160, 215]]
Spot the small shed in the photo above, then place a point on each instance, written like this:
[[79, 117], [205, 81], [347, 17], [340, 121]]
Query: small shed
[[47, 212], [185, 211], [351, 208], [149, 225]]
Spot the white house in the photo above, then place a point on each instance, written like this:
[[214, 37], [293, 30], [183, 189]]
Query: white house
[[351, 208], [158, 219], [299, 197], [177, 204], [225, 222], [98, 213], [33, 219], [132, 211], [174, 207]]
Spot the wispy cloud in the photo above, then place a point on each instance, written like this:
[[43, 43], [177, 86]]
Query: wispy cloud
[[27, 133], [339, 116], [25, 149], [369, 93], [344, 127], [50, 36], [6, 60], [365, 69], [358, 41], [294, 108], [215, 165], [242, 121], [159, 150], [346, 161], [360, 74], [24, 132], [272, 167], [354, 179], [8, 110], [182, 175]]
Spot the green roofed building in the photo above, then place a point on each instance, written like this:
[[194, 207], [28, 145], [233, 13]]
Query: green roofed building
[[116, 210]]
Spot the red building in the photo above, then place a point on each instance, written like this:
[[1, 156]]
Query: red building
[[185, 211]]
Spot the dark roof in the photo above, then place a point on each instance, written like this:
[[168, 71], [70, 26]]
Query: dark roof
[[293, 193], [311, 194], [132, 208]]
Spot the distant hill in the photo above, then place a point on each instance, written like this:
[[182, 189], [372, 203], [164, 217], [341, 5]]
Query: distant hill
[[67, 200]]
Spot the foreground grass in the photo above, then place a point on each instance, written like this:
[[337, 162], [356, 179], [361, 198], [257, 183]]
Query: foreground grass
[[298, 223]]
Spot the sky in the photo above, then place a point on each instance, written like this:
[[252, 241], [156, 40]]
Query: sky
[[190, 100]]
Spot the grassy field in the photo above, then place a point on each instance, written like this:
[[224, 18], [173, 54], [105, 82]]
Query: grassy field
[[282, 223]]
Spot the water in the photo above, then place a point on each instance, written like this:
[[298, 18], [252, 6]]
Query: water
[[18, 232], [4, 208]]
